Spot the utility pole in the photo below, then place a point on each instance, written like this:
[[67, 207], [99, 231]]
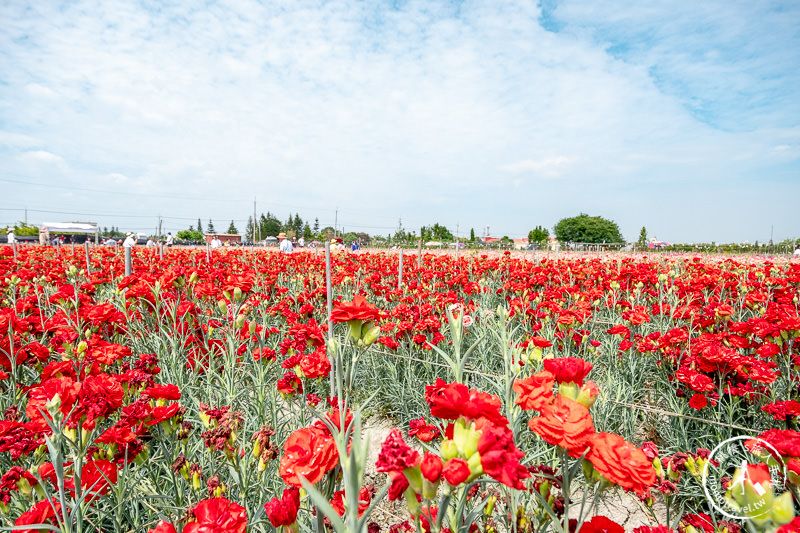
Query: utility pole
[[26, 216], [336, 222], [159, 227], [254, 220]]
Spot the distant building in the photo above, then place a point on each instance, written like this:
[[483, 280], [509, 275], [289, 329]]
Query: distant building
[[521, 244]]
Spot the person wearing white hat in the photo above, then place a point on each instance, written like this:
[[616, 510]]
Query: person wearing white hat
[[130, 241], [11, 236], [286, 245]]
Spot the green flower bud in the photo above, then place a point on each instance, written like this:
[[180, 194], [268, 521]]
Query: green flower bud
[[569, 390], [53, 405], [414, 476], [411, 501], [490, 501], [355, 328], [371, 335], [429, 489], [782, 509], [449, 450], [466, 438], [475, 466]]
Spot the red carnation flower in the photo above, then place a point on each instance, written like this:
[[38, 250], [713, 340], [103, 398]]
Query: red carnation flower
[[453, 400], [535, 391], [309, 453], [162, 527], [162, 392], [568, 369], [423, 431], [315, 364], [621, 462], [395, 454], [283, 512], [500, 456], [43, 512], [431, 467], [601, 524], [566, 423], [456, 471], [358, 309], [217, 515]]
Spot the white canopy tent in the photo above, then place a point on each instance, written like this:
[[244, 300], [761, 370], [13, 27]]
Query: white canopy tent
[[72, 227]]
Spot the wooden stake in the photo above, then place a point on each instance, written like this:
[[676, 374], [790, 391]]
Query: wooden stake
[[88, 265], [400, 271], [329, 298], [128, 261]]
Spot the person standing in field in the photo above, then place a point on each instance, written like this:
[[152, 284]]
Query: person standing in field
[[170, 240], [286, 245], [11, 236], [130, 242]]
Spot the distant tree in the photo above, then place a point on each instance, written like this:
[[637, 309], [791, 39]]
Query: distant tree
[[315, 229], [190, 235], [269, 225], [210, 226], [401, 236], [437, 232], [307, 235], [248, 230], [232, 229], [505, 242], [21, 228], [199, 226], [364, 238], [584, 228], [472, 235], [297, 224], [642, 237], [538, 235], [287, 226], [326, 233]]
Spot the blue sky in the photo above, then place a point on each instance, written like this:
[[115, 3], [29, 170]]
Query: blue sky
[[682, 117]]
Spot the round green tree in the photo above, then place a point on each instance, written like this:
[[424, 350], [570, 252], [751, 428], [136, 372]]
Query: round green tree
[[538, 235], [584, 228]]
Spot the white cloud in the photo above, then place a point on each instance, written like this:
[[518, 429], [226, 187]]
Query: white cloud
[[37, 90], [549, 167], [17, 141], [42, 156]]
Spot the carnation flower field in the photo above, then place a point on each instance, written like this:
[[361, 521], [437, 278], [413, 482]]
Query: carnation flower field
[[207, 394]]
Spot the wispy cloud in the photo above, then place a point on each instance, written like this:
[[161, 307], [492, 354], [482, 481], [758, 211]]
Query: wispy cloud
[[430, 111], [548, 167]]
